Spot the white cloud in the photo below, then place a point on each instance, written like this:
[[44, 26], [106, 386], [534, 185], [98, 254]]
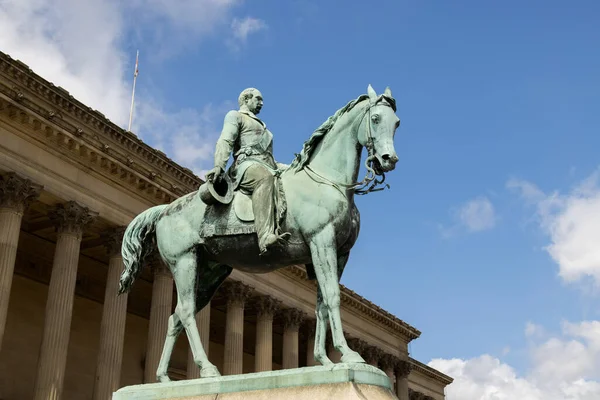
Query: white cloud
[[188, 135], [572, 222], [242, 28], [79, 45], [73, 44], [564, 367], [475, 215], [534, 331], [173, 26]]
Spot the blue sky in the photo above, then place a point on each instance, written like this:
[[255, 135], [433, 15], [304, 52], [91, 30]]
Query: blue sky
[[498, 103]]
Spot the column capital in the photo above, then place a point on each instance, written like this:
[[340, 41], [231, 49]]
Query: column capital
[[236, 292], [266, 306], [403, 368], [388, 361], [113, 239], [358, 345], [17, 192], [292, 318], [71, 217], [373, 354], [414, 395]]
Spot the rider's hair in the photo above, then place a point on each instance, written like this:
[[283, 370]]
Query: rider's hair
[[245, 95]]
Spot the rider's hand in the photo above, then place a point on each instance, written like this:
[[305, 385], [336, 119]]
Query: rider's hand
[[214, 175]]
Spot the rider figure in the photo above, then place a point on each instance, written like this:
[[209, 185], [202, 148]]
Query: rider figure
[[254, 167]]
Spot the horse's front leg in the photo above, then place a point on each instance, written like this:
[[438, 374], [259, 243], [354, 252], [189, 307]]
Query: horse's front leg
[[325, 261]]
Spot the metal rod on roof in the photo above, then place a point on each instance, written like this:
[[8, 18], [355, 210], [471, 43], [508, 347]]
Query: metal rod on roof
[[135, 74]]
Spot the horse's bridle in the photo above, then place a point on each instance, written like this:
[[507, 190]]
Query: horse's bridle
[[371, 175]]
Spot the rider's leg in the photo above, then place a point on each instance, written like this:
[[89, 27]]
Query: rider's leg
[[258, 181]]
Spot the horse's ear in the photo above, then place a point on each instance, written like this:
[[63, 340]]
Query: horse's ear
[[388, 92], [371, 93]]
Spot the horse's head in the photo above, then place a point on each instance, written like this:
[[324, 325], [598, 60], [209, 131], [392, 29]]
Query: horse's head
[[378, 128]]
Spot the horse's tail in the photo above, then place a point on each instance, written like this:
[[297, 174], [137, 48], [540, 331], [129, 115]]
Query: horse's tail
[[137, 244]]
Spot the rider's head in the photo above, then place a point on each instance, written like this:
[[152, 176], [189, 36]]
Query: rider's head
[[251, 99]]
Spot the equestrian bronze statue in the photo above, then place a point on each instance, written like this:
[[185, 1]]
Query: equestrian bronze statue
[[260, 215]]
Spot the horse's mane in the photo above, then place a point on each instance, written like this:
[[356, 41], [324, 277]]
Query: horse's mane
[[311, 144]]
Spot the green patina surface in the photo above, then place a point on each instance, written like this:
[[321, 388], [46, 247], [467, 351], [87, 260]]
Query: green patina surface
[[319, 228], [308, 376]]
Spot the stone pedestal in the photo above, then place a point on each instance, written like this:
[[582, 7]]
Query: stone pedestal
[[340, 381]]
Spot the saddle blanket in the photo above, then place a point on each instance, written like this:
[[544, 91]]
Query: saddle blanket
[[222, 220], [237, 218]]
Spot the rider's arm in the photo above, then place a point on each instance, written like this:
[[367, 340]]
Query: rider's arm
[[227, 139]]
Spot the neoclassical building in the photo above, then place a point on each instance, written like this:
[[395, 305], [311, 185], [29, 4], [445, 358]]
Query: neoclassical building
[[70, 181]]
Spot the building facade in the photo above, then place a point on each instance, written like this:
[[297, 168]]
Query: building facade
[[70, 181]]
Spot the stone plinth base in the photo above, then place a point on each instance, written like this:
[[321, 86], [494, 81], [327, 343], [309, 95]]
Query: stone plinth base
[[340, 381]]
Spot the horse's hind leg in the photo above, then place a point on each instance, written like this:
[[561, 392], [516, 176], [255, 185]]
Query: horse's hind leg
[[186, 276], [208, 279], [320, 352], [174, 329]]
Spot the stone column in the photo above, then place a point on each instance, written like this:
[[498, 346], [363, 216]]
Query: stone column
[[203, 323], [291, 323], [358, 345], [16, 194], [334, 355], [160, 311], [112, 327], [310, 343], [236, 293], [70, 219], [372, 355], [403, 368], [266, 307], [388, 365]]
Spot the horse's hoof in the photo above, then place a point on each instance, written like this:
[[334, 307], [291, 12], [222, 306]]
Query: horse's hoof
[[163, 378], [210, 372], [352, 357]]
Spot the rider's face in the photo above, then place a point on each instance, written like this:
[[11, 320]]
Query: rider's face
[[255, 103]]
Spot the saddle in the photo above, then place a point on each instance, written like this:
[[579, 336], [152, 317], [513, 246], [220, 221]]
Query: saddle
[[237, 217]]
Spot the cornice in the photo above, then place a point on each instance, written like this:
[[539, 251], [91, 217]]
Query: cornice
[[366, 307], [432, 373], [89, 126]]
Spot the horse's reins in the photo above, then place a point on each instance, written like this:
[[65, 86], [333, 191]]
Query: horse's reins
[[370, 177]]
